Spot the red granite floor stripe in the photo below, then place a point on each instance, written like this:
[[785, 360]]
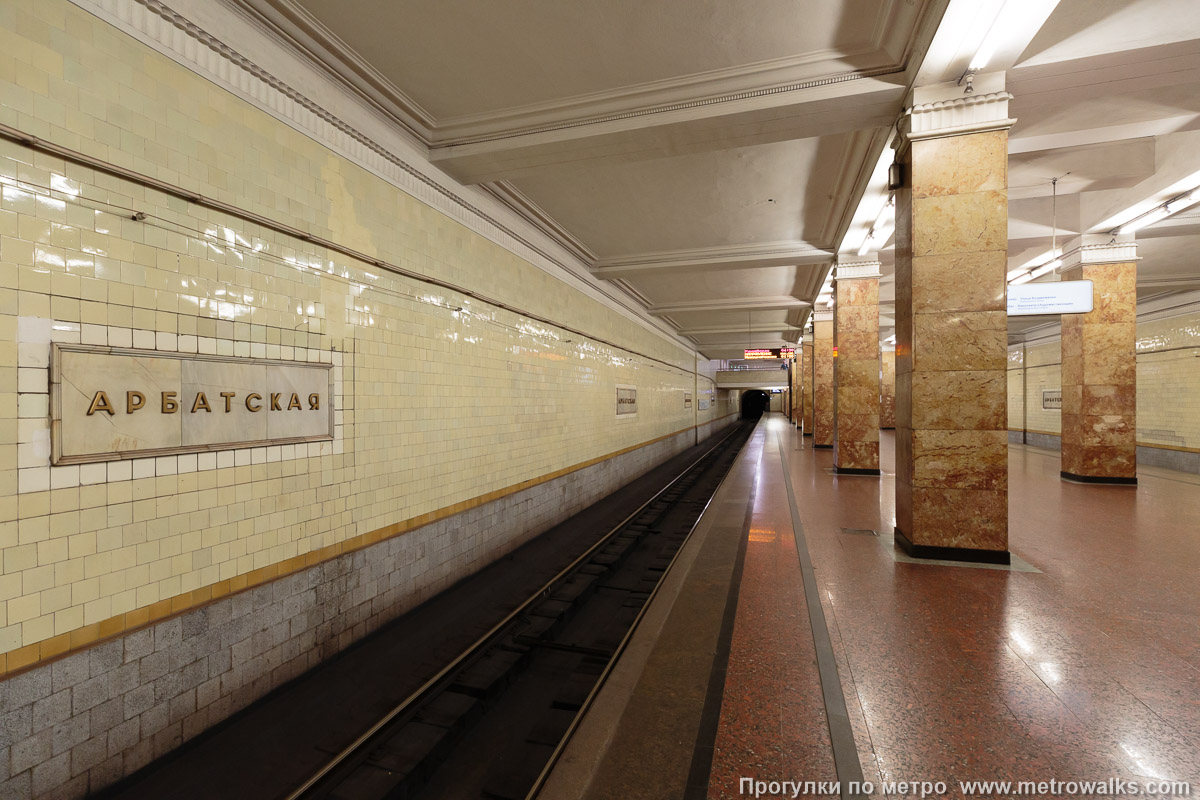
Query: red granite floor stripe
[[772, 725]]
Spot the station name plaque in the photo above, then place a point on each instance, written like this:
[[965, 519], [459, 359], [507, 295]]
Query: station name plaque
[[110, 403]]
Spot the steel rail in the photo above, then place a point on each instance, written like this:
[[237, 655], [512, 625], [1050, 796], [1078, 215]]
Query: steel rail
[[486, 639], [540, 783]]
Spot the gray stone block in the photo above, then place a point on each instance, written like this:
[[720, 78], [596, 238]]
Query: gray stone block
[[16, 725], [18, 787], [138, 701], [71, 733], [26, 753], [167, 634], [70, 670], [139, 644], [51, 710], [107, 715], [89, 694], [153, 667], [50, 774], [33, 685], [88, 754], [155, 719], [106, 657]]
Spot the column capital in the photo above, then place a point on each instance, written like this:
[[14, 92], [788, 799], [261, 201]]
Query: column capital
[[850, 268], [808, 339], [822, 316], [1098, 248], [946, 110]]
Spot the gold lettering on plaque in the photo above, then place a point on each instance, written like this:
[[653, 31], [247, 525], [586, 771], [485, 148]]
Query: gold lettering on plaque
[[228, 398], [253, 396], [100, 403], [275, 401], [314, 402], [134, 401], [169, 404], [200, 402], [294, 402]]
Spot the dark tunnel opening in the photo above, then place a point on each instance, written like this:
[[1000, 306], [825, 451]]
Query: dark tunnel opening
[[754, 403]]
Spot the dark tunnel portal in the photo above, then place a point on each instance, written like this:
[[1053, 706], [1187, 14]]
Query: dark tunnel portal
[[754, 403]]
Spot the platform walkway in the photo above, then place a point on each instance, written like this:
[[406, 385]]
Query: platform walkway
[[1081, 661]]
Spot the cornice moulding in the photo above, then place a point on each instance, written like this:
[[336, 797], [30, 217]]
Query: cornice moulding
[[328, 52], [858, 269], [358, 132], [1103, 252], [973, 113]]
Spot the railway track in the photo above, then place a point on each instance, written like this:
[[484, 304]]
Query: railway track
[[491, 722]]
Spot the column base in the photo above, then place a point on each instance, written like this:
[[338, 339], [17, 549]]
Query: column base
[[888, 428], [855, 471], [823, 446], [808, 433], [1097, 479], [951, 553]]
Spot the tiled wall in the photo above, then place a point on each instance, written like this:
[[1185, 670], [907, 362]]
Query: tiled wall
[[1168, 381], [1041, 373], [1168, 387], [444, 401], [80, 723]]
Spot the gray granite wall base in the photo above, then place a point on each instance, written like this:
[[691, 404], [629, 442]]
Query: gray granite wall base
[[1146, 456], [78, 724], [1048, 441], [1169, 459]]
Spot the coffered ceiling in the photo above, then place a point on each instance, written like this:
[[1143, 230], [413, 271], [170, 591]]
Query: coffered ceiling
[[708, 158]]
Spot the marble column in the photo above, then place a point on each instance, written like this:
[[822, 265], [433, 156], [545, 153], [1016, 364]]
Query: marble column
[[806, 388], [856, 368], [887, 388], [793, 388], [951, 324], [1099, 365], [823, 379]]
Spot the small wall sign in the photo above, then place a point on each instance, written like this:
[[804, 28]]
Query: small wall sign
[[1052, 399], [626, 400]]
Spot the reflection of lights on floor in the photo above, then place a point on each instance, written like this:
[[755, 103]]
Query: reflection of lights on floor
[[763, 534], [1137, 758], [1022, 642]]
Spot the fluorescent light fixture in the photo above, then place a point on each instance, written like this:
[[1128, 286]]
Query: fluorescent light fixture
[[1045, 268], [1149, 218], [1005, 29], [1016, 273], [1026, 278], [1180, 203], [866, 245], [886, 214]]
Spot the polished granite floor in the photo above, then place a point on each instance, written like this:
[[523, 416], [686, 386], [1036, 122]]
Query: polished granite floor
[[1085, 667]]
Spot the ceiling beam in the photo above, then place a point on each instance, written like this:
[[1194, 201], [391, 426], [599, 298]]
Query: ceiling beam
[[772, 254], [851, 104], [729, 304], [760, 328]]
